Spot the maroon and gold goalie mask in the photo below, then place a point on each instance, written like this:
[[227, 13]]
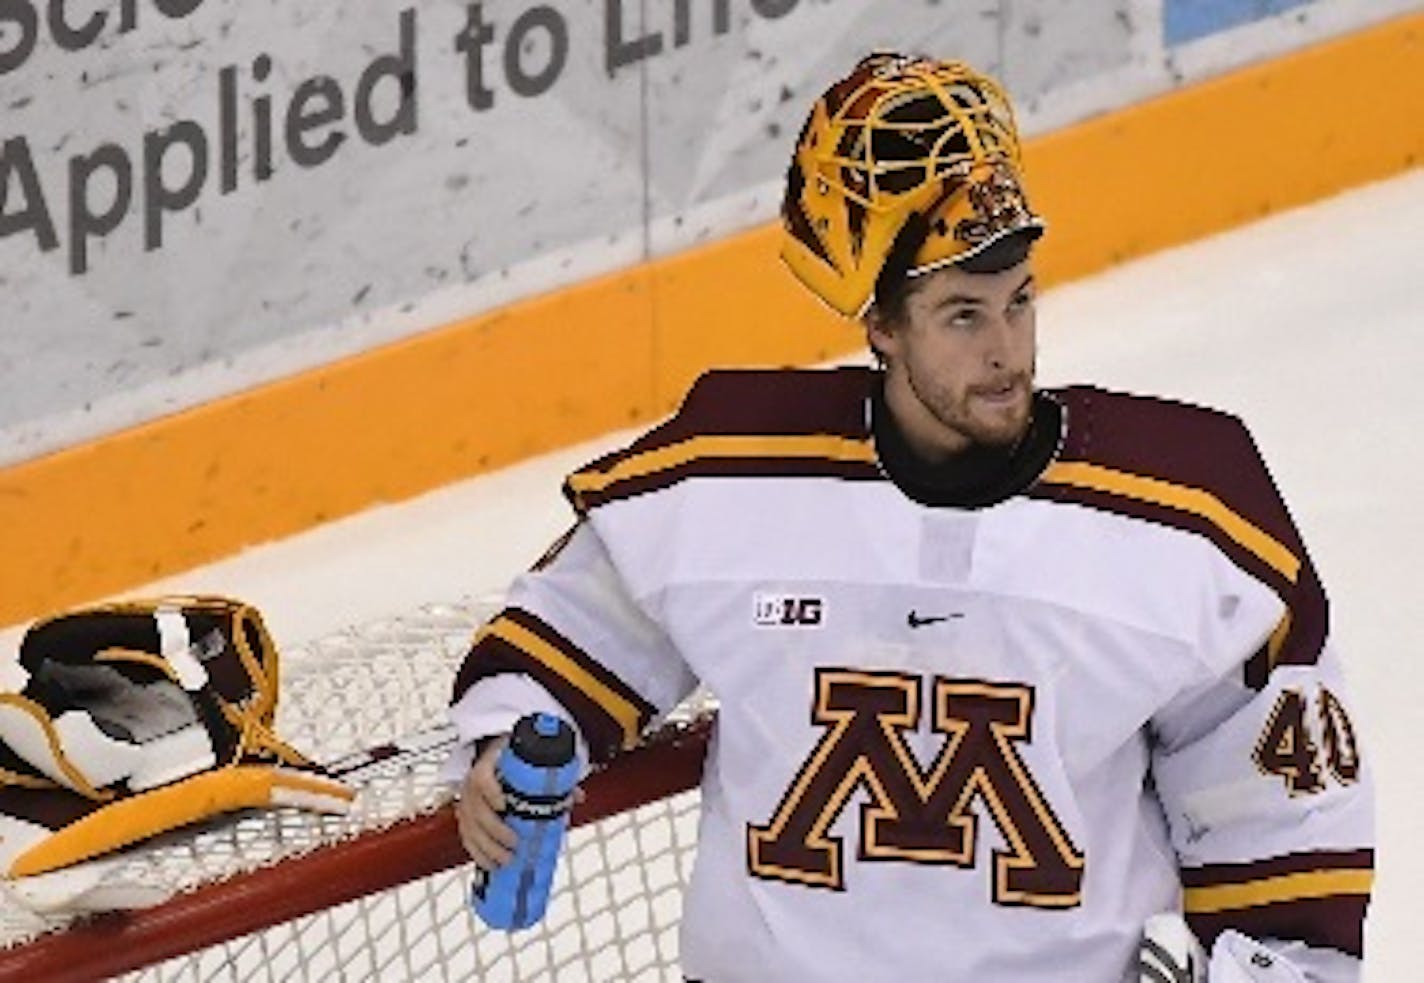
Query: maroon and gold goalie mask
[[897, 137]]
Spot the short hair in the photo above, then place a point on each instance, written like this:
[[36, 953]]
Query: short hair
[[894, 284]]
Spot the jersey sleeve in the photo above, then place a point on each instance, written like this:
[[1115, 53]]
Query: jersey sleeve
[[1270, 808], [571, 631], [1268, 798]]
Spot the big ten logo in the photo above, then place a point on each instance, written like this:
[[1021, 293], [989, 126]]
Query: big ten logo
[[787, 610]]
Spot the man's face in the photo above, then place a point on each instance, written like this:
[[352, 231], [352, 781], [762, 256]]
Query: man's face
[[959, 365]]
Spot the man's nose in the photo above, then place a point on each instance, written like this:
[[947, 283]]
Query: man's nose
[[998, 343]]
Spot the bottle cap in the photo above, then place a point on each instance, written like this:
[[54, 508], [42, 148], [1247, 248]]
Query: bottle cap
[[543, 739]]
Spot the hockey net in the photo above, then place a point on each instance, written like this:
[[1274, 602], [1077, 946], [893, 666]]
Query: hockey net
[[381, 893]]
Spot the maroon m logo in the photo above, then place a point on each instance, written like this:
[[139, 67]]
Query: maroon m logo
[[913, 815]]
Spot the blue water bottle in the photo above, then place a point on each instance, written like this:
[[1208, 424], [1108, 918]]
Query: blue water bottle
[[537, 771]]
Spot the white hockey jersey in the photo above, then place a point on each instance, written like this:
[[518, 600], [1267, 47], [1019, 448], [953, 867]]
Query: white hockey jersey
[[959, 743]]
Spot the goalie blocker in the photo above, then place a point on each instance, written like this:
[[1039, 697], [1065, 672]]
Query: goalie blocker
[[124, 721]]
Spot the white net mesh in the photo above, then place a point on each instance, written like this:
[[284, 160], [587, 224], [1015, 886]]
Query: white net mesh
[[613, 916], [617, 895]]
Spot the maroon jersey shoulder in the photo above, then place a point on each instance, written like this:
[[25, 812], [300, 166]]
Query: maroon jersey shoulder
[[1144, 448], [1172, 440], [772, 401], [744, 423]]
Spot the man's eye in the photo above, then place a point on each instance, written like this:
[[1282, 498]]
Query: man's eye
[[964, 318]]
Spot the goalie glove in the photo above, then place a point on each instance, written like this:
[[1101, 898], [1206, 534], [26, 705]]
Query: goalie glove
[[127, 720], [1170, 953]]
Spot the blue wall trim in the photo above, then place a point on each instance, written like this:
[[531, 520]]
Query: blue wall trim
[[1187, 20]]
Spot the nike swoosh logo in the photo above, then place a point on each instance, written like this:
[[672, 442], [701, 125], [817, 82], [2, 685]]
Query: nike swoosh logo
[[915, 621]]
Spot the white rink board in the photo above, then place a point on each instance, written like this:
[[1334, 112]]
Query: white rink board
[[197, 196]]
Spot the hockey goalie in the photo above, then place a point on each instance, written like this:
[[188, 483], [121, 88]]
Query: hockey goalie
[[1004, 671]]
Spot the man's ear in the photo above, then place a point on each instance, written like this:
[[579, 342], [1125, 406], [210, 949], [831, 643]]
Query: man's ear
[[879, 332]]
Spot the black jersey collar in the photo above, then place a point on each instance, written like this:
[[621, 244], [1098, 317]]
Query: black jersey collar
[[980, 476]]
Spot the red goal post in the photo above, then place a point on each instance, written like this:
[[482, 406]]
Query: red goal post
[[286, 894]]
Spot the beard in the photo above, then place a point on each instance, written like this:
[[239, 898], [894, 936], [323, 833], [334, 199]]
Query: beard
[[984, 421]]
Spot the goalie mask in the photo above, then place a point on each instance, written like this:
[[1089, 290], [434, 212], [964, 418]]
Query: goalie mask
[[122, 721], [901, 138]]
